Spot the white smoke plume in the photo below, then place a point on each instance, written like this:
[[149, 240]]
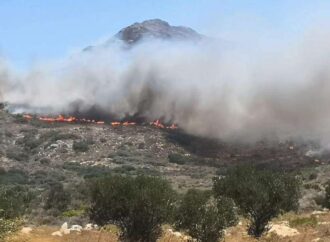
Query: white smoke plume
[[229, 93]]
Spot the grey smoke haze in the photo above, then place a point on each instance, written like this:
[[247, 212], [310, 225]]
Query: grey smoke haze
[[229, 93]]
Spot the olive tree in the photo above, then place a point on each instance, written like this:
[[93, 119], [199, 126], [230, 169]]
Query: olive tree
[[139, 206], [203, 216], [261, 195]]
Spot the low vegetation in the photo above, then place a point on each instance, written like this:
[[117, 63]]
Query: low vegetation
[[80, 146], [13, 203], [204, 217], [326, 202], [261, 195], [57, 198], [138, 206], [310, 221]]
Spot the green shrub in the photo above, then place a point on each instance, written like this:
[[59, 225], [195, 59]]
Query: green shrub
[[204, 217], [19, 118], [45, 161], [80, 146], [87, 171], [13, 177], [304, 221], [57, 198], [138, 206], [327, 195], [14, 201], [73, 213], [177, 158], [8, 226], [17, 154], [261, 195]]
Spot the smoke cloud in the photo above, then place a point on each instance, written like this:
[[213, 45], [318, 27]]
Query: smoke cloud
[[230, 92]]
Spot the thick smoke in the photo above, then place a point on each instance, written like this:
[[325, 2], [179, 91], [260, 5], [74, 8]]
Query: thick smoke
[[4, 79], [230, 93]]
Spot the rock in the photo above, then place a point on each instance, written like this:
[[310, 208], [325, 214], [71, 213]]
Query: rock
[[319, 212], [57, 233], [26, 230], [323, 223], [88, 227], [53, 146], [283, 230], [91, 226], [316, 240], [64, 228], [177, 234], [76, 228]]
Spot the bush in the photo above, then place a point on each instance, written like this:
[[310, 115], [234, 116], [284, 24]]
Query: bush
[[8, 226], [17, 154], [304, 221], [204, 217], [14, 177], [57, 198], [261, 195], [80, 146], [177, 158], [327, 195], [14, 201], [138, 206], [74, 213]]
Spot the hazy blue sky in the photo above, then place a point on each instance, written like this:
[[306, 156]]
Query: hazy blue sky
[[33, 30]]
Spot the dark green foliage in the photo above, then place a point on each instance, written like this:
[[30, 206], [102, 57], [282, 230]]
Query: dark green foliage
[[80, 146], [17, 154], [312, 176], [177, 158], [139, 206], [327, 195], [13, 177], [87, 171], [13, 201], [53, 136], [57, 198], [204, 147], [19, 118], [204, 217], [310, 221], [45, 161], [261, 195]]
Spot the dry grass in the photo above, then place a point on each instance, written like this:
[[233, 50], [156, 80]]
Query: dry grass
[[43, 234], [235, 234]]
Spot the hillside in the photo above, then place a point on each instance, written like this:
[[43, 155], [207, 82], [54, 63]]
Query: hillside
[[152, 29]]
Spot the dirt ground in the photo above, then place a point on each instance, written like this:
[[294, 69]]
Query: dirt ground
[[306, 232]]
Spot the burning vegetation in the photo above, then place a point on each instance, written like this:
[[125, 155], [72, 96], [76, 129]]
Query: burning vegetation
[[62, 119]]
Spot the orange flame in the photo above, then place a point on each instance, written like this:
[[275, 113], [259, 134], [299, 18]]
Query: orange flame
[[27, 116], [158, 124], [60, 118], [115, 124], [128, 123]]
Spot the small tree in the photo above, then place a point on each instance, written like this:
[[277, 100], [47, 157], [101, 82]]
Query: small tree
[[137, 205], [327, 195], [261, 195], [13, 202], [204, 217], [57, 198]]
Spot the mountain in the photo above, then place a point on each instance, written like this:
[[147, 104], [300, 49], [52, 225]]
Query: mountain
[[158, 29], [152, 29]]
